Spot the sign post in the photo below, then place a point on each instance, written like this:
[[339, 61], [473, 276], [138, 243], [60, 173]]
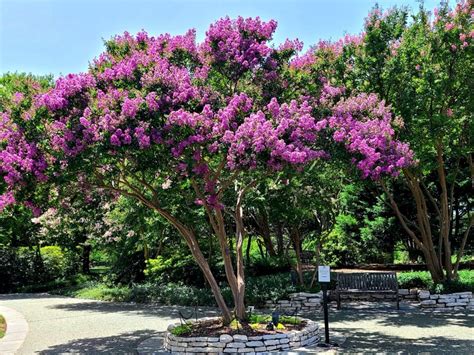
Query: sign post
[[324, 277]]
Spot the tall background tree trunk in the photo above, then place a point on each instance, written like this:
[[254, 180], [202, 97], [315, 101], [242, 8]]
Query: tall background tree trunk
[[86, 258]]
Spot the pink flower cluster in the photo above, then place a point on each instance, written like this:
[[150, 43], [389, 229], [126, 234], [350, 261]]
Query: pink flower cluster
[[364, 125], [456, 22], [208, 127], [284, 134], [66, 87], [328, 47], [18, 159], [158, 93], [239, 44], [305, 60]]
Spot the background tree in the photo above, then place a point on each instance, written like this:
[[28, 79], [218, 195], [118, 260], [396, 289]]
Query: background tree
[[421, 67]]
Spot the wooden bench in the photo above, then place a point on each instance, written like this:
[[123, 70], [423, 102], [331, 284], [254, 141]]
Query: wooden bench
[[307, 257], [366, 283]]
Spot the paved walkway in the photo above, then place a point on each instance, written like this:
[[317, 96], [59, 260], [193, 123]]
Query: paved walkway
[[375, 328], [66, 325]]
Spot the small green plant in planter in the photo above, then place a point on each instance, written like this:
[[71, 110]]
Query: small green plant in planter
[[254, 325], [182, 329], [263, 319], [290, 320], [259, 319]]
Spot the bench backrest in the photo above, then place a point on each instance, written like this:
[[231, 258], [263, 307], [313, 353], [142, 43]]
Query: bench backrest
[[307, 257], [368, 281]]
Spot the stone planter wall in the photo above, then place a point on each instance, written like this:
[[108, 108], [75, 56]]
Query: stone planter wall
[[303, 301], [450, 302], [311, 302], [242, 343], [408, 294]]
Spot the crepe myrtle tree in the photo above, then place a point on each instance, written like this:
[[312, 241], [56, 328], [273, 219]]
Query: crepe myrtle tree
[[421, 65], [159, 116]]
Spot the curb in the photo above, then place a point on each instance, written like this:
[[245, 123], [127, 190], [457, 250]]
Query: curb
[[17, 329]]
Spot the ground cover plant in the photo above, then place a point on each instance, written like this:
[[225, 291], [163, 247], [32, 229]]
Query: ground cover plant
[[271, 287]]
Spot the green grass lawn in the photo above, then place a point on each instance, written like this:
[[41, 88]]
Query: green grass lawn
[[3, 326]]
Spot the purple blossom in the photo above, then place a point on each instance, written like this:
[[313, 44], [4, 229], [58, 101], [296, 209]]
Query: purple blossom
[[130, 107], [6, 199], [241, 44], [18, 97], [364, 125], [145, 97]]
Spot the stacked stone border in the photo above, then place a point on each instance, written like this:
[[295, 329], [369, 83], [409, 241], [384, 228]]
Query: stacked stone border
[[459, 301], [304, 302], [241, 343], [300, 302], [17, 329]]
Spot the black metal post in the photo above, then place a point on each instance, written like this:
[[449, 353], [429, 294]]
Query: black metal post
[[326, 316]]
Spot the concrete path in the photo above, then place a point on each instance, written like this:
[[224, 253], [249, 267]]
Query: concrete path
[[375, 328], [66, 325]]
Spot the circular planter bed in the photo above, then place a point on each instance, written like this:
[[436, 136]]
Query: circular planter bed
[[209, 335]]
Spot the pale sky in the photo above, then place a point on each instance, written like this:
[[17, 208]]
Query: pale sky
[[62, 36]]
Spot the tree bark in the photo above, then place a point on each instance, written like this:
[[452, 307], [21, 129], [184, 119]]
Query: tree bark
[[445, 215], [86, 258], [264, 229], [423, 239], [279, 236], [183, 230], [239, 238], [226, 256], [295, 237], [203, 265]]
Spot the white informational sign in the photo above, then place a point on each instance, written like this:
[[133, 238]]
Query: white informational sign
[[324, 273]]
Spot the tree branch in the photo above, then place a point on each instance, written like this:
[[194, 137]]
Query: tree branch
[[400, 216]]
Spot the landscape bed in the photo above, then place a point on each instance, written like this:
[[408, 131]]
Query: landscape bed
[[209, 335]]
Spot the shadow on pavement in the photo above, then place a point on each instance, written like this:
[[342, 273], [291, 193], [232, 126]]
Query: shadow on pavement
[[360, 341], [143, 309], [387, 315], [429, 320], [125, 343], [24, 296], [147, 310]]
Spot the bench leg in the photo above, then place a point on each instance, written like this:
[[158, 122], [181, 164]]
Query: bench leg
[[338, 301], [398, 302]]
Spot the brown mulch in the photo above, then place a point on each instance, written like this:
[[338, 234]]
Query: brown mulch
[[215, 327]]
